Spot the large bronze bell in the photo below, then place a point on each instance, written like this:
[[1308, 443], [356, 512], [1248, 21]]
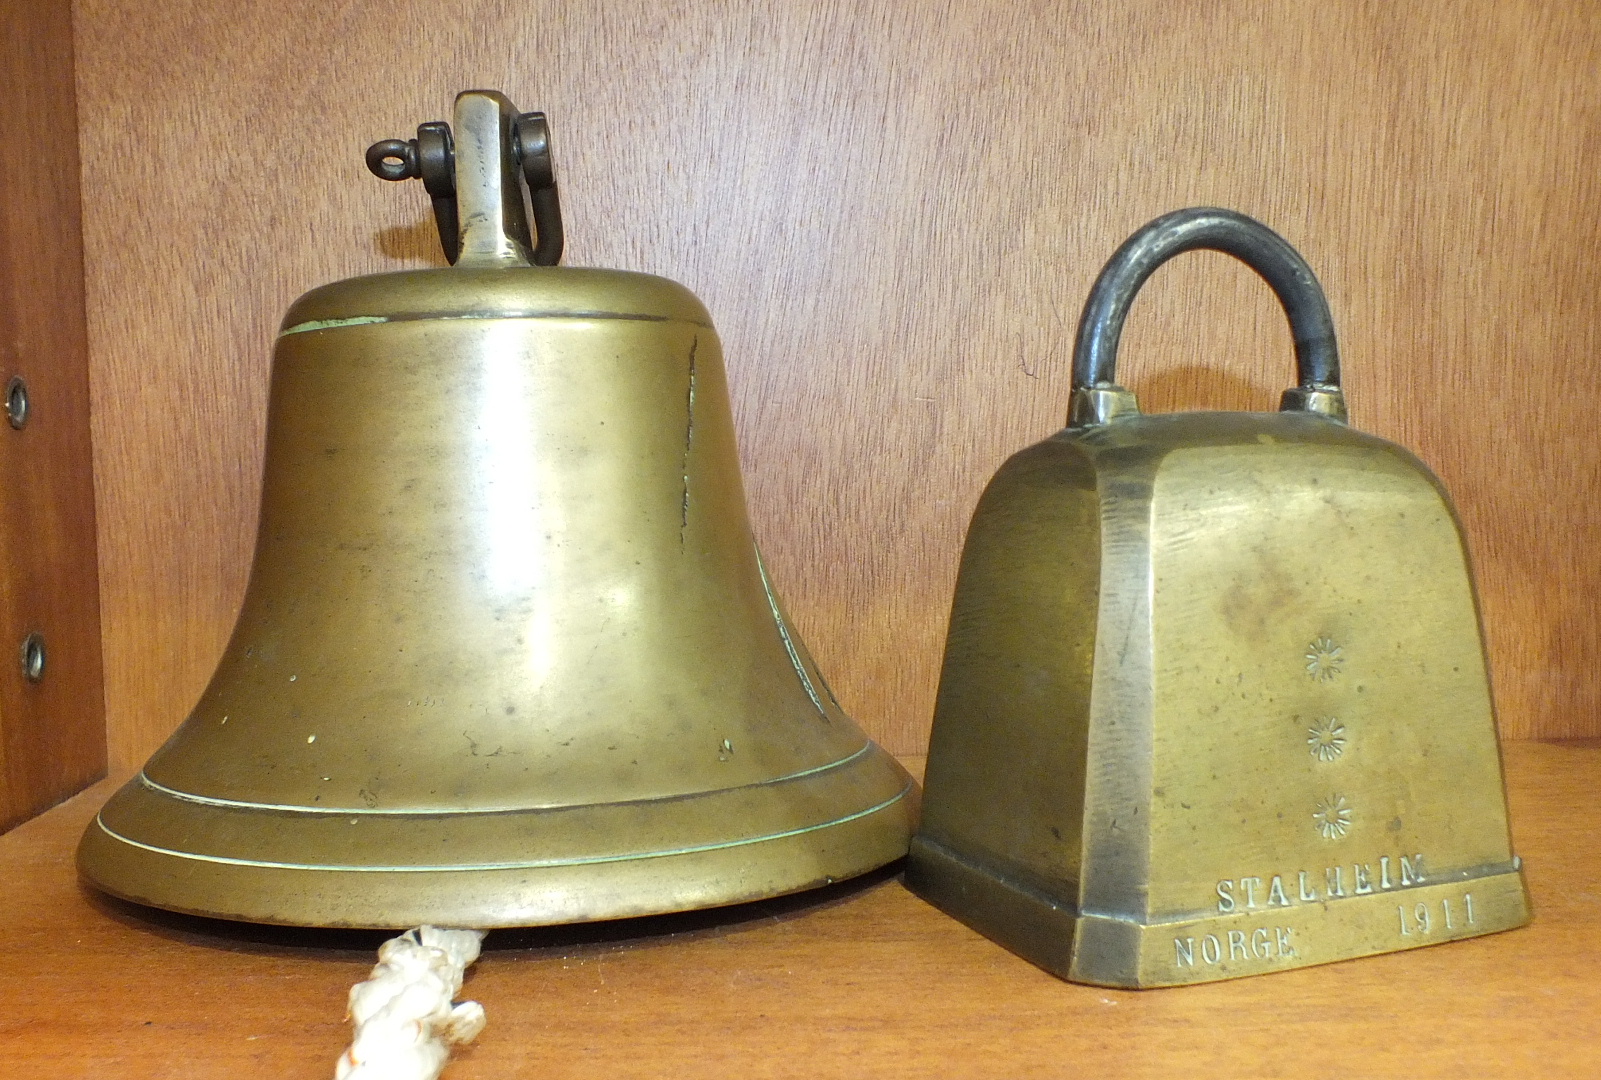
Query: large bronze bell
[[1214, 700], [508, 655]]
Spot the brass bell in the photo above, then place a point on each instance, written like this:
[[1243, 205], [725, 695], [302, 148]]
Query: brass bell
[[508, 654], [1214, 699]]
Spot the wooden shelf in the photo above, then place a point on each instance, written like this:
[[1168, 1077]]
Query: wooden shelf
[[862, 980]]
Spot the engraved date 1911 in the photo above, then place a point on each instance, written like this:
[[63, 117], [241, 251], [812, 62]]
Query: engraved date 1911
[[1423, 919]]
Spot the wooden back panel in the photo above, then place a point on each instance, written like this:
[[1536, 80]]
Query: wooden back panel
[[894, 213]]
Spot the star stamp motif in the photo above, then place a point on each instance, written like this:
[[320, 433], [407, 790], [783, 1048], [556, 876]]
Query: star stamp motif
[[1324, 659], [1326, 739], [1332, 817]]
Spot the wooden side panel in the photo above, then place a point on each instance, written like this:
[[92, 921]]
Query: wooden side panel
[[894, 213], [52, 732]]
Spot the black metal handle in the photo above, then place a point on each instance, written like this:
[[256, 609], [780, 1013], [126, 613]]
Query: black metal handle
[[1317, 359]]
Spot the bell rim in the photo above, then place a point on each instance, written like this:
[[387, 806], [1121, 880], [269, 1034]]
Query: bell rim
[[853, 841]]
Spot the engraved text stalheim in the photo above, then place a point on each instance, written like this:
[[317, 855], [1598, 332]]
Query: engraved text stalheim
[[1304, 887]]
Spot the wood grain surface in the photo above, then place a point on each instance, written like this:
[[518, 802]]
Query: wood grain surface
[[860, 980], [894, 213], [53, 732]]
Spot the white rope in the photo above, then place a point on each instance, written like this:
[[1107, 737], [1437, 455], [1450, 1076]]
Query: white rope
[[405, 1022]]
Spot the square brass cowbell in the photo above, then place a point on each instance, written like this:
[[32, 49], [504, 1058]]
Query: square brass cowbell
[[1214, 700]]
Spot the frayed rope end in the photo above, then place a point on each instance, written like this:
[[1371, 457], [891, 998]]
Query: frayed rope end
[[404, 1016]]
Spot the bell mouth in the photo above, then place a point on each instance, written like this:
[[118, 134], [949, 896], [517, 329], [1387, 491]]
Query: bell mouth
[[528, 867]]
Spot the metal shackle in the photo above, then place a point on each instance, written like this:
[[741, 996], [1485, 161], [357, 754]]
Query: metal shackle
[[1096, 396], [432, 157]]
